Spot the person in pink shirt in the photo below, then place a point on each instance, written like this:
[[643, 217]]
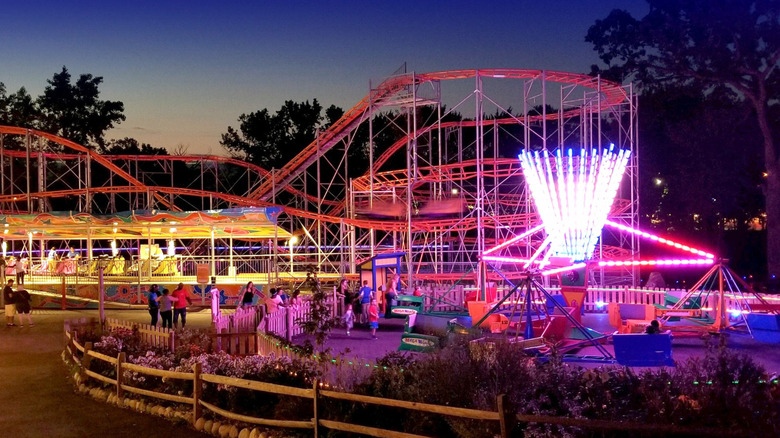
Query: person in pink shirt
[[180, 305]]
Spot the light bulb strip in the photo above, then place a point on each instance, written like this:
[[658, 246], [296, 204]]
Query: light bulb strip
[[658, 262], [564, 269], [660, 239], [514, 239]]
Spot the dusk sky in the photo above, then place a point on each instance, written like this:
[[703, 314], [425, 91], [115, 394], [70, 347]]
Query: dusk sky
[[186, 70]]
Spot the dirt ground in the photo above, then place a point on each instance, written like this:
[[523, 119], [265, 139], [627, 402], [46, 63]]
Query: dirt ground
[[38, 397]]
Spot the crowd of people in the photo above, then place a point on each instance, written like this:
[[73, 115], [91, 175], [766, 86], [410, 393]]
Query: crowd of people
[[362, 307], [276, 298], [168, 306]]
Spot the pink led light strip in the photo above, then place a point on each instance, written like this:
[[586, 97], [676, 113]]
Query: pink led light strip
[[667, 262], [490, 258], [659, 239], [514, 239], [564, 269]]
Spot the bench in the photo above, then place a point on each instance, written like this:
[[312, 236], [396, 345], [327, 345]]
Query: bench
[[641, 350], [619, 313]]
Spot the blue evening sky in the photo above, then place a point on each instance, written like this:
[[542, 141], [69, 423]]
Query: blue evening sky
[[185, 70]]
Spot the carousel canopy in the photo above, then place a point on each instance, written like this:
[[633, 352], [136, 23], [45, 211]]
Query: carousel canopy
[[239, 223]]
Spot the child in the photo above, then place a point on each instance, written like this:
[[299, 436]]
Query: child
[[23, 306], [373, 317], [349, 318], [166, 308]]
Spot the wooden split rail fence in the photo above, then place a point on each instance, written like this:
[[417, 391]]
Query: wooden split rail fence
[[83, 356]]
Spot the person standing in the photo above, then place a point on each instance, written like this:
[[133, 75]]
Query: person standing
[[180, 305], [349, 318], [366, 294], [10, 303], [21, 269], [249, 295], [10, 269], [373, 318], [166, 305], [154, 306], [23, 307], [2, 269]]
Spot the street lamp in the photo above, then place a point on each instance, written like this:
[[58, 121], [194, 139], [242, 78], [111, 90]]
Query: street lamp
[[293, 240]]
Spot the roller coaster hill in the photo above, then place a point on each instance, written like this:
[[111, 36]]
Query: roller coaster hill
[[436, 187]]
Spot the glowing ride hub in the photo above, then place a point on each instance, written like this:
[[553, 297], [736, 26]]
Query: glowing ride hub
[[573, 195]]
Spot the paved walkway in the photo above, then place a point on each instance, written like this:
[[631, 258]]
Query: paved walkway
[[38, 398]]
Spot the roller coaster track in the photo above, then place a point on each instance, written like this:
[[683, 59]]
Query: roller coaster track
[[614, 94], [92, 154], [170, 158]]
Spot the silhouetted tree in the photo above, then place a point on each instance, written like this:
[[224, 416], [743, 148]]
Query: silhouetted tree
[[272, 140], [726, 45], [131, 146], [75, 112]]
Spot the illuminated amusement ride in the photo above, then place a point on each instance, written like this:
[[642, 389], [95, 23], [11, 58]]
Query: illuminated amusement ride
[[527, 178], [457, 187]]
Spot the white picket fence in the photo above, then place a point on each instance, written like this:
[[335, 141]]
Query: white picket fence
[[286, 321], [241, 321], [151, 335]]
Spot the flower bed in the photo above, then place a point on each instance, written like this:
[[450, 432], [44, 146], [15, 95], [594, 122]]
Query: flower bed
[[717, 395]]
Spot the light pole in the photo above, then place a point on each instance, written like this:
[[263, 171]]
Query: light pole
[[293, 240]]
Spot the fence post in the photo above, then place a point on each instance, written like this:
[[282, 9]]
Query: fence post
[[505, 416], [171, 340], [63, 290], [288, 324], [86, 359], [316, 419], [120, 359], [196, 393]]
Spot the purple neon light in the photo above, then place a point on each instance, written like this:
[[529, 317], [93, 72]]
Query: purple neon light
[[659, 239]]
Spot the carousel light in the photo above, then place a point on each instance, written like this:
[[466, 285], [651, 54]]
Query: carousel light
[[114, 250]]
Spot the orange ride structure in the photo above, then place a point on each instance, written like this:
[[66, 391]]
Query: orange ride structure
[[446, 188]]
